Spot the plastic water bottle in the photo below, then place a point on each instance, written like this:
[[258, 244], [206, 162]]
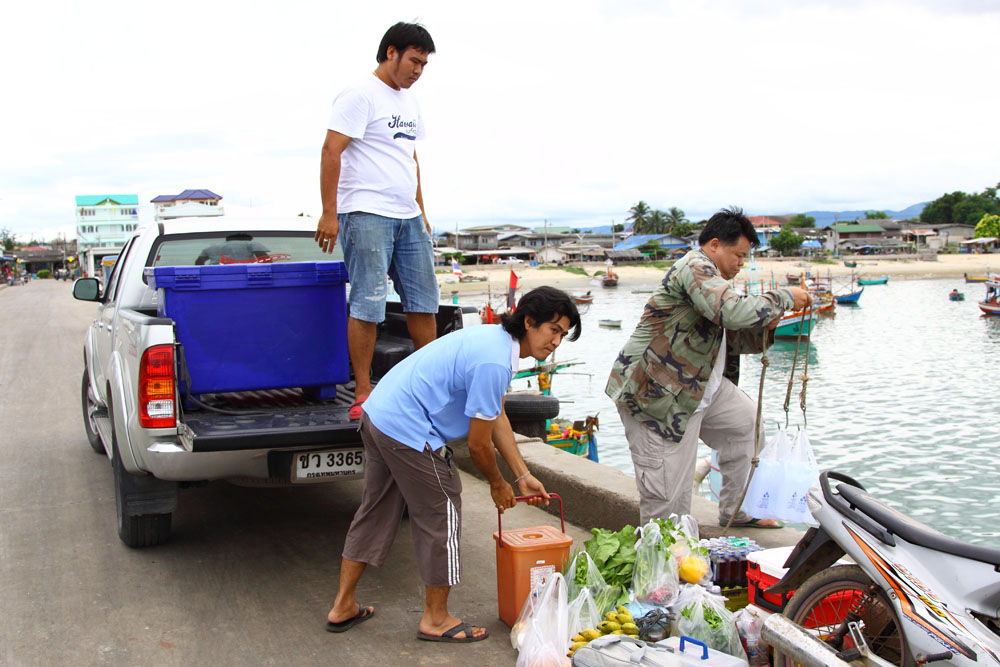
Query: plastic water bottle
[[749, 628]]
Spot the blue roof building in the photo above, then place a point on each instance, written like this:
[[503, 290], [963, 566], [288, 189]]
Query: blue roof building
[[665, 241]]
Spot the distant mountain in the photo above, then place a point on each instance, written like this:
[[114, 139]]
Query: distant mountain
[[827, 218]]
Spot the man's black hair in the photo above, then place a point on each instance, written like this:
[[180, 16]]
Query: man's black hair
[[542, 304], [728, 225], [402, 36]]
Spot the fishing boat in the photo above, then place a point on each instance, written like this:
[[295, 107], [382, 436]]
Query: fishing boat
[[793, 278], [790, 325], [584, 298], [850, 265], [849, 297], [976, 279], [610, 324], [849, 293], [955, 295], [642, 290], [574, 437], [609, 280], [873, 281], [991, 304]]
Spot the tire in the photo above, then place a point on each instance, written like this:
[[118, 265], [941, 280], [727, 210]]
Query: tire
[[522, 407], [92, 437], [136, 530], [823, 601]]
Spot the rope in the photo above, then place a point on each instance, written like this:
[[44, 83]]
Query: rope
[[805, 370], [791, 374], [764, 363]]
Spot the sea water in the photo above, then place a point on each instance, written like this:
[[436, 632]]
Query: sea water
[[903, 395]]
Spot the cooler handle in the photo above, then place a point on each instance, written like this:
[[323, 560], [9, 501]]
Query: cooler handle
[[703, 645], [520, 499], [763, 602]]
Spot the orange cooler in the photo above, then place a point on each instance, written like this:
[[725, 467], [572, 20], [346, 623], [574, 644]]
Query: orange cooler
[[525, 557]]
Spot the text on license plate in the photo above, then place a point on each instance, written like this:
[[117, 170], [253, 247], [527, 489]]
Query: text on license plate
[[318, 466]]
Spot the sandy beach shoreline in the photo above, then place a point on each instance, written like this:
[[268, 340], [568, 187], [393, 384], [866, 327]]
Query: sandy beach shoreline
[[630, 276]]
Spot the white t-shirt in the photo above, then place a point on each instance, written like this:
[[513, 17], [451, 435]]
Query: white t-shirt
[[377, 171], [715, 379]]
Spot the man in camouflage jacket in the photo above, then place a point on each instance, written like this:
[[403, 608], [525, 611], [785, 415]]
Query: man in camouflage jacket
[[673, 383]]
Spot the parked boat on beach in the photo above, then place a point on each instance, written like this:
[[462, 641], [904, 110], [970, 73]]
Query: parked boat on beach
[[991, 304], [609, 281], [584, 298], [850, 265]]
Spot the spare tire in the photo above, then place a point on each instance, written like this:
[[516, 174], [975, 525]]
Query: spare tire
[[529, 406]]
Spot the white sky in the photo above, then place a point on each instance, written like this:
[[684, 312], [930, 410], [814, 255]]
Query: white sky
[[565, 110]]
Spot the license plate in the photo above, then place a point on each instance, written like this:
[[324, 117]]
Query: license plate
[[325, 466]]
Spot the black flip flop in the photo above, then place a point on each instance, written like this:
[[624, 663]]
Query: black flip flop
[[364, 613], [449, 635]]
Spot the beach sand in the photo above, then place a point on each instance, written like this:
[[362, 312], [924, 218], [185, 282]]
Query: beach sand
[[629, 276]]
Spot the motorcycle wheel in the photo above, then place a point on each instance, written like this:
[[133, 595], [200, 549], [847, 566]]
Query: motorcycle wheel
[[822, 603]]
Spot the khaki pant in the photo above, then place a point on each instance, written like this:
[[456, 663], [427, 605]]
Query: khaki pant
[[664, 469]]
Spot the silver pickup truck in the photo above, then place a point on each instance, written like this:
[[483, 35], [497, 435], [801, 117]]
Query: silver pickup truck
[[137, 406]]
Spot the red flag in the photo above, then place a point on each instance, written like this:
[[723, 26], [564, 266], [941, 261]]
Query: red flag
[[510, 292], [489, 314]]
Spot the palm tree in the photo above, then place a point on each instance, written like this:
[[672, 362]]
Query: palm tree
[[675, 217], [657, 223], [638, 215]]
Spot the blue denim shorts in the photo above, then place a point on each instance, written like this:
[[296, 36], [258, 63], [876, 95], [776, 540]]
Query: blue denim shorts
[[376, 246]]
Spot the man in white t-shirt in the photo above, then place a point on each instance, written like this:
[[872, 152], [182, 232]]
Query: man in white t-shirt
[[370, 185]]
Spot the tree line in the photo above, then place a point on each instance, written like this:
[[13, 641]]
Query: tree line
[[962, 208], [654, 221]]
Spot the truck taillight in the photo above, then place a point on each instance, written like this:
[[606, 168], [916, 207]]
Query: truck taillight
[[156, 387]]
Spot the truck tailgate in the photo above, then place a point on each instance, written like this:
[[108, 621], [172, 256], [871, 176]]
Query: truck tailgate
[[269, 419]]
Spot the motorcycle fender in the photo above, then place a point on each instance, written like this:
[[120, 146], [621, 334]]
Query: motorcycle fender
[[815, 552]]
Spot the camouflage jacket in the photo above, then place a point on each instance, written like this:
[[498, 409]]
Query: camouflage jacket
[[661, 373]]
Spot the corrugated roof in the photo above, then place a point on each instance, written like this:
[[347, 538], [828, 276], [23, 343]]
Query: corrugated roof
[[636, 240], [849, 227], [94, 200]]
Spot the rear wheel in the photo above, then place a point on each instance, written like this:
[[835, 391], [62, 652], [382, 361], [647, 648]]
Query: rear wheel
[[822, 606], [89, 405], [131, 492]]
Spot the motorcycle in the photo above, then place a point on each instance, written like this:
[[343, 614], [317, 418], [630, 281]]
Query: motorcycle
[[913, 595]]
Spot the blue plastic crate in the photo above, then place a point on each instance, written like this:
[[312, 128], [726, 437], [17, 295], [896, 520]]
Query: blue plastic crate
[[258, 326]]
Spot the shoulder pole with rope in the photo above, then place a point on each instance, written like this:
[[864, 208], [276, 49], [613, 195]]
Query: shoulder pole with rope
[[764, 363]]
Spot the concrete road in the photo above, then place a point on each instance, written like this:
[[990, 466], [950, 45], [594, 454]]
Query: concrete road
[[249, 573]]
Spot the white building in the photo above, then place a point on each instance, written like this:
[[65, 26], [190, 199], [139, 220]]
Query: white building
[[105, 221], [190, 203]]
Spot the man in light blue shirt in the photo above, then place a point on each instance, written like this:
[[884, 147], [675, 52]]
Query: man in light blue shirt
[[448, 389]]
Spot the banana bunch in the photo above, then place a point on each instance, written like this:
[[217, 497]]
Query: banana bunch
[[618, 622]]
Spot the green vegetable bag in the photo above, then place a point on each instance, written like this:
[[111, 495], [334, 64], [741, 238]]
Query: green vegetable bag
[[704, 616], [583, 574]]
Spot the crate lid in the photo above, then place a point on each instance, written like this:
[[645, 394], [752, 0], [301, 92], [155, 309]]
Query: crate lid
[[239, 276], [533, 539], [771, 561]]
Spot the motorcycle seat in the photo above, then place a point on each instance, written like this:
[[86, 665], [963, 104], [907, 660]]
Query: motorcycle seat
[[913, 531]]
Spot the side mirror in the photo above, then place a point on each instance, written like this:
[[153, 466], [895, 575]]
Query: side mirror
[[87, 289]]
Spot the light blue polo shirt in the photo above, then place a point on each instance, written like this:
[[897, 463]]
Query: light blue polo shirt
[[429, 397]]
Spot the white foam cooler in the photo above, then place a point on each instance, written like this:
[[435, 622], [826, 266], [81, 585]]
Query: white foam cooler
[[694, 652]]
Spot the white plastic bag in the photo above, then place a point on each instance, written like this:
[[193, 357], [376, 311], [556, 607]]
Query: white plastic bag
[[767, 485], [541, 634], [583, 613], [582, 572], [801, 473], [654, 577]]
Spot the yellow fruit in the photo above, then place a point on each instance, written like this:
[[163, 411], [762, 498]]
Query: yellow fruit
[[692, 569], [625, 618], [577, 645], [617, 632], [622, 609], [611, 616], [630, 628], [589, 634], [607, 627]]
